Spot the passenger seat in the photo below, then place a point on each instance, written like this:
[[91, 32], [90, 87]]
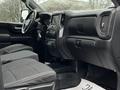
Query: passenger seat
[[14, 48], [17, 52], [7, 58], [28, 74]]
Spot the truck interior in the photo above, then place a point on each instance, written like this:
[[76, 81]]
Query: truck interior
[[55, 51]]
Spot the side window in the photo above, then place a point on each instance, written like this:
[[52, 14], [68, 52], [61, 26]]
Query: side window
[[10, 10]]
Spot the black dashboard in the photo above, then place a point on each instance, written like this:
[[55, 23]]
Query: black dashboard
[[82, 35], [90, 23], [86, 23], [97, 23], [86, 36]]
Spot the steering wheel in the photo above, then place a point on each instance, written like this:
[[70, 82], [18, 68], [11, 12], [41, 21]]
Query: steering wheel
[[29, 21]]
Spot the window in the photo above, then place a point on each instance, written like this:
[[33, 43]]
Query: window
[[10, 10], [60, 5]]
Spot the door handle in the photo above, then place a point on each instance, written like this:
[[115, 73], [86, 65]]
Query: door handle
[[18, 28]]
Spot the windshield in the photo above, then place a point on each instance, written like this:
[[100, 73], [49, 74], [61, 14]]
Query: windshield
[[60, 5]]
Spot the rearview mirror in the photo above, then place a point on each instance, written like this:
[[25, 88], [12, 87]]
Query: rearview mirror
[[24, 14]]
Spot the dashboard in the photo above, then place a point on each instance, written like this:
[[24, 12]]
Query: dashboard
[[90, 23], [86, 23], [87, 36], [82, 35]]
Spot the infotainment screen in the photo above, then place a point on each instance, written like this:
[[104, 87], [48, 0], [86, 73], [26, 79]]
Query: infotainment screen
[[56, 21]]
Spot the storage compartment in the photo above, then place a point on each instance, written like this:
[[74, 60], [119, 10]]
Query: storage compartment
[[82, 26]]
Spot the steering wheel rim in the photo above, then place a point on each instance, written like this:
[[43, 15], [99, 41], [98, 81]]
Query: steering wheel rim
[[28, 22]]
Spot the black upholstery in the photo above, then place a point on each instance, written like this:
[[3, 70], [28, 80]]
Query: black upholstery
[[18, 55], [14, 48], [26, 72]]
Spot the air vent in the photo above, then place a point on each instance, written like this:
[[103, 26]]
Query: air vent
[[62, 19], [104, 24]]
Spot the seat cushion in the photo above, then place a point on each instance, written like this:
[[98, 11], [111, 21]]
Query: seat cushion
[[17, 56], [14, 48], [26, 72]]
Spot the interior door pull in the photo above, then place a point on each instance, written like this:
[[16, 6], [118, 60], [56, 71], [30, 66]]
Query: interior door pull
[[18, 28]]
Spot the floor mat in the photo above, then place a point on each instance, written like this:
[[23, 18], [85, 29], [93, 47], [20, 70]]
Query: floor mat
[[86, 85]]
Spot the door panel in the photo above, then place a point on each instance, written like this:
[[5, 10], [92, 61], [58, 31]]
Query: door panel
[[10, 33]]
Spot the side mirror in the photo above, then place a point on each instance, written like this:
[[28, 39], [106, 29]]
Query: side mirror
[[24, 14]]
